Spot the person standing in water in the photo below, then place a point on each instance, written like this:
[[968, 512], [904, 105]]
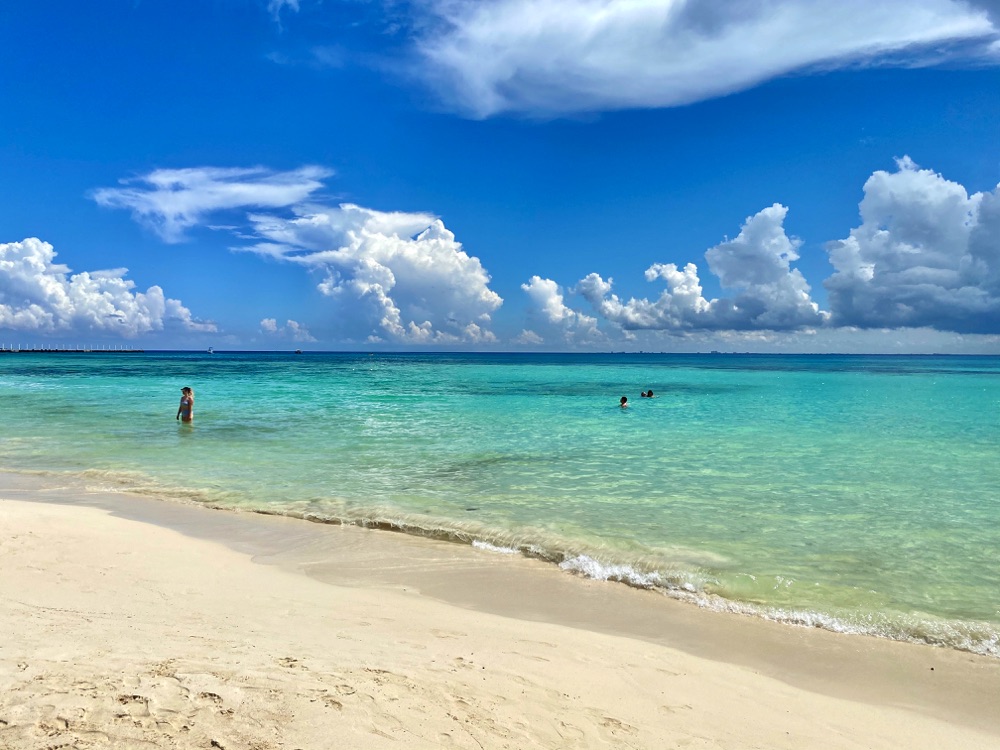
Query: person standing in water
[[624, 402], [185, 412]]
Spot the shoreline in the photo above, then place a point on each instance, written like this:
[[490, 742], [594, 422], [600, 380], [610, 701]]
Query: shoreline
[[966, 636], [391, 588]]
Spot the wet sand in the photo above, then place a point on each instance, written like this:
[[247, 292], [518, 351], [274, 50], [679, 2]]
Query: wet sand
[[131, 622]]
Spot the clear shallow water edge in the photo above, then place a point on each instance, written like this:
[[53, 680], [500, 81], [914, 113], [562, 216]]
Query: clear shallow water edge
[[847, 492]]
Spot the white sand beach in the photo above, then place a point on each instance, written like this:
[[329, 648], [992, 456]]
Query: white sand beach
[[133, 623]]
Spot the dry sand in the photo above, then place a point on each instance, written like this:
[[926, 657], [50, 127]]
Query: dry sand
[[132, 623]]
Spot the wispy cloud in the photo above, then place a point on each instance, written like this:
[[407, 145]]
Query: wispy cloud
[[389, 275], [553, 57], [38, 295], [925, 255], [274, 7], [992, 8], [171, 201]]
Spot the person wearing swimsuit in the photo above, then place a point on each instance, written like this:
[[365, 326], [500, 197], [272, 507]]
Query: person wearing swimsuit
[[185, 412]]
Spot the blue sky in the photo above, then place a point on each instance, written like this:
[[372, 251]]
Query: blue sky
[[659, 175]]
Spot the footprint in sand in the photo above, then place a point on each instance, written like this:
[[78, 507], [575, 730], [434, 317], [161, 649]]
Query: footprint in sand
[[163, 669], [85, 689], [330, 702], [615, 725], [324, 697], [463, 663], [570, 732], [126, 699]]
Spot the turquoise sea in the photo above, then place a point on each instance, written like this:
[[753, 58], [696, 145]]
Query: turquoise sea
[[856, 493]]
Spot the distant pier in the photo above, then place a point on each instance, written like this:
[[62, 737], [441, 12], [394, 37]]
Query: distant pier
[[18, 349]]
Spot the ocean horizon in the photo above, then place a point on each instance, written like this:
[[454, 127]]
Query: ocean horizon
[[851, 492]]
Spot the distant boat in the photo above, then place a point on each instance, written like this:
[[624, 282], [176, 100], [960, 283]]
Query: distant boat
[[211, 350], [298, 351]]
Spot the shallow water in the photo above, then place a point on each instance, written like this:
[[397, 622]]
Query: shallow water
[[855, 493]]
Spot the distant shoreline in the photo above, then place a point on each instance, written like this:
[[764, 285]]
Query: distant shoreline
[[72, 351], [420, 353]]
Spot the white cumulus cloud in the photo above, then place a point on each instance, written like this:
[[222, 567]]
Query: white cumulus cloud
[[291, 330], [402, 276], [925, 259], [549, 57], [926, 254], [171, 201], [549, 301], [393, 276], [769, 293], [42, 296], [528, 337]]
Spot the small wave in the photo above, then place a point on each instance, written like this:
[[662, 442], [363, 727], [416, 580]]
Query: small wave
[[975, 637], [120, 481], [590, 568], [479, 544], [689, 583]]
